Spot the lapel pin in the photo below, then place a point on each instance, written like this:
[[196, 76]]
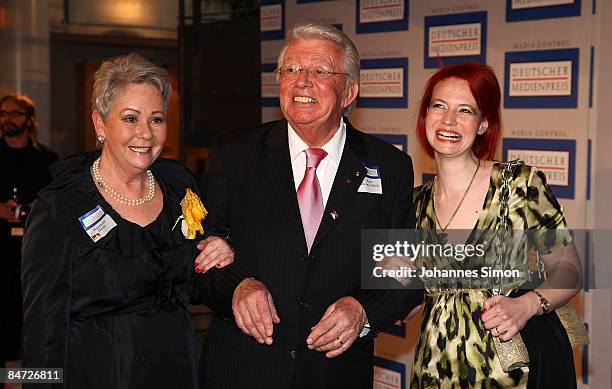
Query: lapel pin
[[334, 215], [357, 173]]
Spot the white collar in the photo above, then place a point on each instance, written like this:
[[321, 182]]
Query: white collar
[[333, 147]]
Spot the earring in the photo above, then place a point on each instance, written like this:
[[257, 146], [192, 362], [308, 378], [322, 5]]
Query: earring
[[100, 139]]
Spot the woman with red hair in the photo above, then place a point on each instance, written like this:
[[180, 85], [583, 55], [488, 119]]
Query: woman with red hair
[[467, 328]]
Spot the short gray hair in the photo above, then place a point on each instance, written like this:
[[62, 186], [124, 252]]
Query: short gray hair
[[312, 30], [115, 74]]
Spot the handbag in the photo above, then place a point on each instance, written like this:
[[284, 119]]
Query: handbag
[[573, 324], [513, 353]]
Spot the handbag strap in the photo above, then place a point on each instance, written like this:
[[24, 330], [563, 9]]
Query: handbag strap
[[501, 230]]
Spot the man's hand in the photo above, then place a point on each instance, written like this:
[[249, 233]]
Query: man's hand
[[254, 310], [338, 328], [7, 211], [215, 252]]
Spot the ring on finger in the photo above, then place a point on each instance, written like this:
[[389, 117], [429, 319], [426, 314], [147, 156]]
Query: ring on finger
[[496, 330], [340, 341]]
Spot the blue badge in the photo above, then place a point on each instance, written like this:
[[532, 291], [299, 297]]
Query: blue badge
[[372, 182], [96, 223]]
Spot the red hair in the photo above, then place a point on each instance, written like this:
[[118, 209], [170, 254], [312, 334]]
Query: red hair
[[485, 89]]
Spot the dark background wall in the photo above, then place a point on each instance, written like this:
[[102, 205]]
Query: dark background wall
[[72, 64]]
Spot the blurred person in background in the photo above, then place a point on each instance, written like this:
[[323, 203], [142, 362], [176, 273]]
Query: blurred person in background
[[24, 171]]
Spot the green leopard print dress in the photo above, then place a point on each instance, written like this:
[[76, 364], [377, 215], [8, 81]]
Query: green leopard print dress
[[454, 349]]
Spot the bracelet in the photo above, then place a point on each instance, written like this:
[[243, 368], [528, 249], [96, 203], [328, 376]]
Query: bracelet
[[544, 303]]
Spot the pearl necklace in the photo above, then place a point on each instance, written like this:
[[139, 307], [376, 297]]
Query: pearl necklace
[[118, 197]]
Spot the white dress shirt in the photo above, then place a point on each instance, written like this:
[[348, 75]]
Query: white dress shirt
[[326, 171]]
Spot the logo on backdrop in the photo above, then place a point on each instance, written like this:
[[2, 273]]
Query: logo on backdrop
[[269, 86], [272, 19], [400, 141], [517, 10], [555, 158], [381, 16], [455, 38], [388, 374], [541, 79], [384, 83]]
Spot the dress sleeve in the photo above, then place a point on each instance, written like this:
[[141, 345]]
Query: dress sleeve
[[545, 215], [46, 279]]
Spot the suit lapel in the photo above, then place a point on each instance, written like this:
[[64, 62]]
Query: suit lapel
[[280, 174], [348, 178]]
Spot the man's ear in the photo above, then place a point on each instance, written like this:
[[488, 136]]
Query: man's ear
[[350, 94], [484, 126]]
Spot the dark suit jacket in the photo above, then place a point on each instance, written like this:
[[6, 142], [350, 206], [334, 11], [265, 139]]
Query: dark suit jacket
[[250, 194]]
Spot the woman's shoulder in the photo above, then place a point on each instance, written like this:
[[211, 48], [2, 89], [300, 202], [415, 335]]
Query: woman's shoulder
[[169, 166], [69, 195], [421, 196], [420, 191], [520, 173], [70, 174], [174, 174], [70, 181]]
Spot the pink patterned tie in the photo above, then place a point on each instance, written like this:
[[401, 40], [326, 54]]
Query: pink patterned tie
[[309, 195]]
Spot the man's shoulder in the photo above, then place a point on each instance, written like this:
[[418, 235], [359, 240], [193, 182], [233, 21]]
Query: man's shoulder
[[381, 149]]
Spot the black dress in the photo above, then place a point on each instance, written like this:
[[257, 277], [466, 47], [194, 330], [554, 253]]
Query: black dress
[[111, 313]]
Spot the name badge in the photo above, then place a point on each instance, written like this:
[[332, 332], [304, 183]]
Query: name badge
[[96, 223], [371, 182]]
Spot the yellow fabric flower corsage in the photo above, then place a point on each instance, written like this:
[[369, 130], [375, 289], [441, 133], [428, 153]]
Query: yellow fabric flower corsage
[[193, 214]]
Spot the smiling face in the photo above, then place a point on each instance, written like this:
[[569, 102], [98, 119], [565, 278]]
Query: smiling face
[[314, 105], [453, 120], [134, 130]]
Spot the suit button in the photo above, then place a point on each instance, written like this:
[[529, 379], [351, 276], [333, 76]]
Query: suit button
[[303, 258], [292, 354], [304, 305]]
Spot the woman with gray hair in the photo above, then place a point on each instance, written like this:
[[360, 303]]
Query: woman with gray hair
[[107, 252]]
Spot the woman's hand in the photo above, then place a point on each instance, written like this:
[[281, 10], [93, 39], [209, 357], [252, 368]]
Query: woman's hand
[[215, 252], [506, 316]]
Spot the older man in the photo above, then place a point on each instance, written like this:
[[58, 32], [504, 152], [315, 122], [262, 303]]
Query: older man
[[293, 196]]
